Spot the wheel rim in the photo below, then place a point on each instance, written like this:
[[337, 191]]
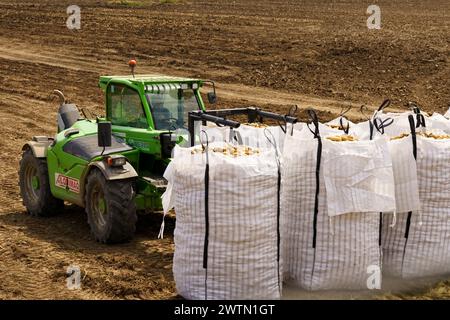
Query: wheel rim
[[98, 205], [32, 183]]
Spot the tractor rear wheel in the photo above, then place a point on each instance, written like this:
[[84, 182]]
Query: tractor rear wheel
[[35, 187], [110, 208]]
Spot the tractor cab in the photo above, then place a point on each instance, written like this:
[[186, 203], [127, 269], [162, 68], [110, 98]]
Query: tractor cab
[[146, 110], [150, 114], [151, 103]]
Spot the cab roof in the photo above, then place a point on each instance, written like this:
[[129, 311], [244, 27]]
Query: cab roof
[[147, 79]]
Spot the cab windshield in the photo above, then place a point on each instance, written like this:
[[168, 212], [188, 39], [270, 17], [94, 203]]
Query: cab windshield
[[170, 108]]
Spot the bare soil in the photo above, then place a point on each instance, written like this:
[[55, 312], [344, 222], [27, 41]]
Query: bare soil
[[271, 54]]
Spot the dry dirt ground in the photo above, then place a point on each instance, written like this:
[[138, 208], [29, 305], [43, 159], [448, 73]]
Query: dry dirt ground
[[263, 53]]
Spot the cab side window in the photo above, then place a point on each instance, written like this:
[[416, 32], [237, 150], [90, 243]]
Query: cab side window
[[125, 107]]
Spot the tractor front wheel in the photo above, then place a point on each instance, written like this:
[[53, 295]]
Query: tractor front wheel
[[35, 187], [110, 208]]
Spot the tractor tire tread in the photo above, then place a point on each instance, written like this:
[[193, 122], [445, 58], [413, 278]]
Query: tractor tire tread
[[47, 205], [119, 197]]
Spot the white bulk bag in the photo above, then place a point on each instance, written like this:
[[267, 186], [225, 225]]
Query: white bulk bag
[[257, 137], [215, 133], [405, 175], [425, 250], [243, 251], [245, 134], [346, 248], [438, 122]]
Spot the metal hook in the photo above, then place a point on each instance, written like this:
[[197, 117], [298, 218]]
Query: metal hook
[[235, 136], [203, 144], [292, 111]]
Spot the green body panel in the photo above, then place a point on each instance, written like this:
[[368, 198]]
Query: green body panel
[[145, 157]]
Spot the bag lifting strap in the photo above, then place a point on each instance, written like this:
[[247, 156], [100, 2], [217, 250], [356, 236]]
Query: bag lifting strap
[[412, 126], [371, 128], [313, 117], [206, 240]]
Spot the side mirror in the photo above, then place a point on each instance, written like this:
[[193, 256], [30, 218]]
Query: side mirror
[[104, 133], [212, 98]]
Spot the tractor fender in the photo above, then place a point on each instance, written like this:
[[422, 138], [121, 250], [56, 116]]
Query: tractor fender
[[38, 146], [111, 173]]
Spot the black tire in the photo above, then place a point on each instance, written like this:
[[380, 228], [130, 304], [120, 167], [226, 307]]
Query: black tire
[[110, 208], [35, 187]]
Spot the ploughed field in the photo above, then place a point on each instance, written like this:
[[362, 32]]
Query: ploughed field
[[270, 54]]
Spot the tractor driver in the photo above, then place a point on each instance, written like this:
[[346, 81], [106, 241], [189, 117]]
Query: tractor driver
[[128, 110], [162, 116]]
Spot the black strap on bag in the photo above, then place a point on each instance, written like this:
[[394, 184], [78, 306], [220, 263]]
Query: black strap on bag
[[420, 119], [371, 130], [315, 121], [386, 103], [272, 141], [278, 228], [206, 240], [283, 125], [381, 124], [291, 113], [344, 111], [236, 137], [345, 128], [413, 135], [380, 227], [369, 120], [412, 127], [377, 122]]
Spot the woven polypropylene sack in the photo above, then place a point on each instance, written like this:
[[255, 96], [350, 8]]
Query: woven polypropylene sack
[[347, 246], [262, 137], [425, 252], [242, 255]]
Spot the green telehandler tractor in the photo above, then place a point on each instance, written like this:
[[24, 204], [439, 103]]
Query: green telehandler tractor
[[110, 175], [113, 166]]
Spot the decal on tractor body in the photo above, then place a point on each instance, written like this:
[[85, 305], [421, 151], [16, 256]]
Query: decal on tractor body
[[65, 182]]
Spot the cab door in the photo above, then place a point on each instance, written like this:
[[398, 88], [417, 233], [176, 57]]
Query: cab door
[[128, 117]]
